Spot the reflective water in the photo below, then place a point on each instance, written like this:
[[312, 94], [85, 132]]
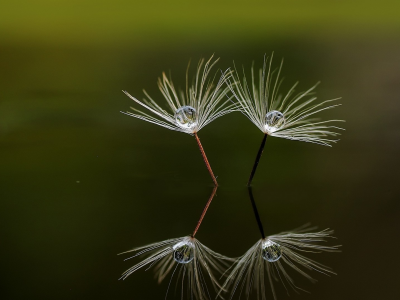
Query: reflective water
[[81, 182]]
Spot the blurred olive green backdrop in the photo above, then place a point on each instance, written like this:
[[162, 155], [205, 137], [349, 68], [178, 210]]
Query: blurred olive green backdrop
[[81, 182]]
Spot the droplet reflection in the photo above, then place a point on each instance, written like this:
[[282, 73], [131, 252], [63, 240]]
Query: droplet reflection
[[186, 117], [274, 120], [271, 251], [184, 252]]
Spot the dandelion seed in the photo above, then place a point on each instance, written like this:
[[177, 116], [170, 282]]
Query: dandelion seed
[[272, 256], [287, 116], [203, 102], [185, 256]]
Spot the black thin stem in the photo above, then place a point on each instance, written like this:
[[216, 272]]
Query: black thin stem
[[253, 203], [260, 152]]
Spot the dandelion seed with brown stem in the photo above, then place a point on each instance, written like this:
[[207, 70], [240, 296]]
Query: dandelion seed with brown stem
[[188, 112]]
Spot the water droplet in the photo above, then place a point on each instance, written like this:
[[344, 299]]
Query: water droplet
[[271, 251], [186, 117], [274, 120], [184, 252]]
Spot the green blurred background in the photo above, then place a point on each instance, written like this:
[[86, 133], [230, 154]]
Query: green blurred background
[[81, 182]]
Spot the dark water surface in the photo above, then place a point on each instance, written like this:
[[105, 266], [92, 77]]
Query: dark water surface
[[81, 182]]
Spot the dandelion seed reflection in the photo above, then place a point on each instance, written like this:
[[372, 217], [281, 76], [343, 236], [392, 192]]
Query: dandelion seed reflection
[[272, 256], [184, 256]]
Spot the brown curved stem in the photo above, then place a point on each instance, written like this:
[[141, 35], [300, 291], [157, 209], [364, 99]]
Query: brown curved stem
[[206, 160], [204, 211]]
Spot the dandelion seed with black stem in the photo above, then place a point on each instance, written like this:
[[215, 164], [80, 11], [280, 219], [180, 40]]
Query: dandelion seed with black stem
[[285, 116]]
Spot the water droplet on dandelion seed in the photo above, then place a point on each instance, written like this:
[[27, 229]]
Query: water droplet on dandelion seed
[[271, 251], [274, 120], [184, 252], [186, 117]]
